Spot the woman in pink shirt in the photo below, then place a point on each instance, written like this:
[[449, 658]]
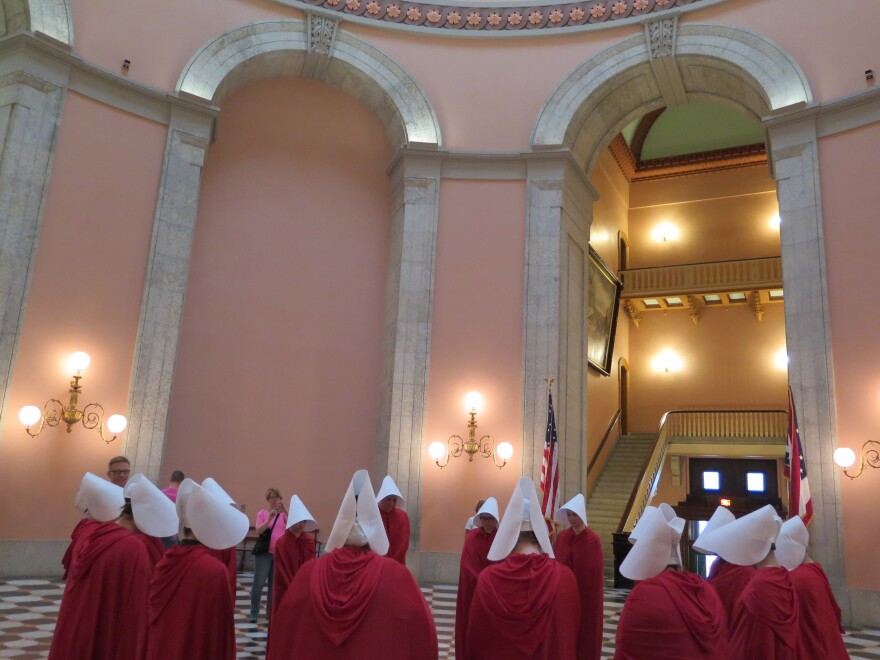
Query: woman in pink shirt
[[275, 518]]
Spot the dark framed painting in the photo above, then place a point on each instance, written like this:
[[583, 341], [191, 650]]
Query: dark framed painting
[[604, 299]]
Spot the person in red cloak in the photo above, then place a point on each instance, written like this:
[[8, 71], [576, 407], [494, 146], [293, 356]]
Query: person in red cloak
[[669, 613], [766, 620], [526, 606], [580, 548], [227, 557], [292, 550], [82, 530], [820, 626], [110, 574], [98, 502], [190, 607], [474, 558], [394, 519], [353, 602]]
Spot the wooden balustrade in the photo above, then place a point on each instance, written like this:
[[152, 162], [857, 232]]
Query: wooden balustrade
[[719, 276]]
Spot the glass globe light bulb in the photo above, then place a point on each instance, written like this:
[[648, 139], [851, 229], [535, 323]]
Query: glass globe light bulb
[[473, 401], [79, 361], [29, 415], [116, 424], [504, 451], [437, 450], [844, 457]]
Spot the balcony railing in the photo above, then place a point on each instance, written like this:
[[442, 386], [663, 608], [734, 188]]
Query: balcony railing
[[713, 277], [691, 424]]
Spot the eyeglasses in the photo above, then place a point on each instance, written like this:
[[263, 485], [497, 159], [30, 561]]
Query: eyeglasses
[[121, 473], [486, 518]]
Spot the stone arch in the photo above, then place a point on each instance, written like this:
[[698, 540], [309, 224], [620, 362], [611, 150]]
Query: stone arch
[[614, 87], [51, 17], [292, 47]]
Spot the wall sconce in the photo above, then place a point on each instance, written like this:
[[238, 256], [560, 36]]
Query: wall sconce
[[780, 360], [455, 445], [775, 222], [54, 412], [845, 457], [665, 231], [667, 362]]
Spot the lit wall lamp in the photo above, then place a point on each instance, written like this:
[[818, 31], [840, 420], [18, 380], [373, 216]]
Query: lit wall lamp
[[667, 362], [455, 445], [665, 231], [775, 222], [845, 457], [54, 412], [781, 360]]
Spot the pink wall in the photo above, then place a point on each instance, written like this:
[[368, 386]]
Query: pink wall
[[278, 370], [476, 344], [85, 295], [849, 207], [721, 216], [728, 363], [609, 217]]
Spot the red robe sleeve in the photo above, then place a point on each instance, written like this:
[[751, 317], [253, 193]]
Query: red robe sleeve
[[83, 528], [819, 614], [291, 552], [474, 558], [190, 609], [103, 611], [582, 553], [525, 607], [352, 603], [766, 623], [673, 615], [396, 524], [729, 581]]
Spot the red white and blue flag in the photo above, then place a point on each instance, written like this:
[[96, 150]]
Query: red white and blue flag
[[550, 466], [795, 470]]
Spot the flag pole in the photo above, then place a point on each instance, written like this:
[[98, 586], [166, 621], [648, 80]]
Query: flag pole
[[552, 525]]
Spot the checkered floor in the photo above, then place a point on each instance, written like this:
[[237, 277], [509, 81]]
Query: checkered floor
[[28, 609]]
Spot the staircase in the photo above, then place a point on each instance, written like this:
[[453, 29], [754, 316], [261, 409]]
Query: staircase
[[608, 499]]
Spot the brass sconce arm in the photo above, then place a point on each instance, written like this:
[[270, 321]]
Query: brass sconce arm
[[868, 456], [456, 446]]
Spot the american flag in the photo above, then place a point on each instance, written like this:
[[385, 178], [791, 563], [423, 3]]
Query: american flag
[[799, 501], [550, 466]]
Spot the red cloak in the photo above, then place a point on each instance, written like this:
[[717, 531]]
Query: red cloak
[[227, 557], [525, 607], [766, 622], [291, 552], [396, 524], [352, 603], [819, 614], [155, 548], [474, 558], [582, 553], [190, 607], [104, 608], [674, 615], [729, 581], [83, 528]]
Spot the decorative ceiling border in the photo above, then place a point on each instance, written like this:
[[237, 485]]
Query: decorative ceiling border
[[539, 18], [749, 155]]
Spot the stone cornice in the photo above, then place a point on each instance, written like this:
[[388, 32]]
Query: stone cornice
[[542, 17], [834, 116], [46, 58]]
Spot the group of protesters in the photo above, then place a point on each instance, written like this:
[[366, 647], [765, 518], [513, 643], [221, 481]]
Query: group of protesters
[[521, 596]]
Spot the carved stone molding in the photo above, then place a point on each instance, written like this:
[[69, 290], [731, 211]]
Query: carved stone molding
[[757, 307], [632, 312], [321, 33], [693, 309], [660, 35]]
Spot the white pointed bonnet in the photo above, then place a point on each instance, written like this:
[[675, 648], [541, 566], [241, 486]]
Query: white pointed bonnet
[[297, 512], [719, 519], [576, 505], [209, 516], [154, 514], [359, 507], [388, 488], [490, 506], [656, 545], [791, 545], [99, 498], [183, 492], [746, 540], [523, 513], [210, 484]]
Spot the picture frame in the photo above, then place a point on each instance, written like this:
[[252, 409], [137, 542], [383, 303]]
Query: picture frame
[[604, 303]]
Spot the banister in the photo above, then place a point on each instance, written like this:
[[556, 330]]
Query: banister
[[595, 459], [651, 469]]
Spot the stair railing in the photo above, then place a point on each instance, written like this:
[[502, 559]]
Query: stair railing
[[696, 423], [600, 456]]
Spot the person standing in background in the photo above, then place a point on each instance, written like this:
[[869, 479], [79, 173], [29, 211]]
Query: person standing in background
[[174, 483], [118, 471], [274, 519], [394, 519]]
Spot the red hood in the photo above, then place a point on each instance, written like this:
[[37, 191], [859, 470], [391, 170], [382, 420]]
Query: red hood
[[91, 548], [693, 597]]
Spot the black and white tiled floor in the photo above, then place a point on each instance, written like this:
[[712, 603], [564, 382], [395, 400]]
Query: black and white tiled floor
[[28, 609]]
